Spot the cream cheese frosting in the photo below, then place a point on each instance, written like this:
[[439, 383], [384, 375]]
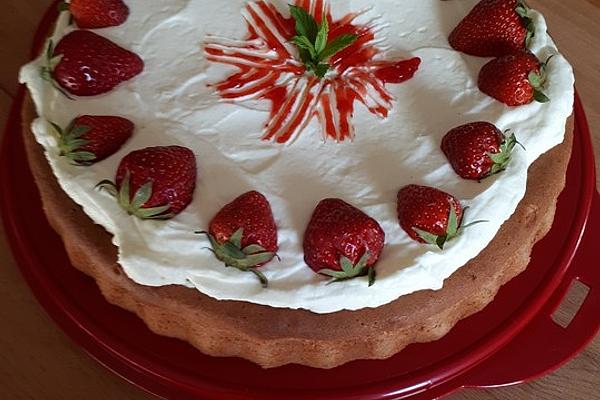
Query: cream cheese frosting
[[172, 102]]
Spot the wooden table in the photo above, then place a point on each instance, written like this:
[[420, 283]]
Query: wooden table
[[37, 361]]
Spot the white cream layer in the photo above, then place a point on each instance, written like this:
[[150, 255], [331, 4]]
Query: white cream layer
[[170, 103]]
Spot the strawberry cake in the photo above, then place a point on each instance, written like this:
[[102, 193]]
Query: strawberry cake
[[310, 183]]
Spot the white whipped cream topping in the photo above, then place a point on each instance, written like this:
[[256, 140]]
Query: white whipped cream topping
[[170, 103]]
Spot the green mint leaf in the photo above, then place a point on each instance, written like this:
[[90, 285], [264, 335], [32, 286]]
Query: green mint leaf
[[337, 45], [322, 36], [305, 56], [305, 23], [303, 43], [321, 70]]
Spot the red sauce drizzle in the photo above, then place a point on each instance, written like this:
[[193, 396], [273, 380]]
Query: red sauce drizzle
[[270, 71]]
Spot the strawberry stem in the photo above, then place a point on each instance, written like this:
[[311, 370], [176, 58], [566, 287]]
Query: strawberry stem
[[245, 259]]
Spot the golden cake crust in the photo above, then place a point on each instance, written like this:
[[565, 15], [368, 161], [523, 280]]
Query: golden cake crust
[[273, 337]]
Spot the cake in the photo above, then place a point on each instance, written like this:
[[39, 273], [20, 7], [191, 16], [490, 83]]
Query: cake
[[331, 126]]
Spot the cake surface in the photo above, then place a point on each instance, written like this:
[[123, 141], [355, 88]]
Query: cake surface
[[174, 101], [226, 83]]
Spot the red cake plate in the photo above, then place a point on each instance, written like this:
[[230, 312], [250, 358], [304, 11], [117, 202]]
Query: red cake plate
[[513, 340]]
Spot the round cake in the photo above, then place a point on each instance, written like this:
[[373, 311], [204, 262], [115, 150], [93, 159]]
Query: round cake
[[311, 183]]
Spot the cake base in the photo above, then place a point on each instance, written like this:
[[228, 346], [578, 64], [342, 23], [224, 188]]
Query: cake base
[[273, 337]]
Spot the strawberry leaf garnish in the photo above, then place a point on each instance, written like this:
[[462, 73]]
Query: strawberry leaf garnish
[[503, 157], [135, 206], [351, 271], [523, 11], [246, 259], [313, 42], [538, 81], [454, 229], [70, 144], [46, 71]]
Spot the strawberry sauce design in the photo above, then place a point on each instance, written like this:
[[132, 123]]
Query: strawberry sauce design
[[270, 69]]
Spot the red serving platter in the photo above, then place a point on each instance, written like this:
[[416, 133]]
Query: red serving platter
[[513, 340]]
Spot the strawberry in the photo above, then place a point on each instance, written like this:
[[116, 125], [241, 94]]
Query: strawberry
[[93, 14], [155, 182], [243, 234], [478, 150], [494, 28], [89, 139], [86, 64], [429, 215], [515, 80], [342, 242]]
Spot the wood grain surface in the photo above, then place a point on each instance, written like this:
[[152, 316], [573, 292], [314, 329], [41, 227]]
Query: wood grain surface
[[37, 361]]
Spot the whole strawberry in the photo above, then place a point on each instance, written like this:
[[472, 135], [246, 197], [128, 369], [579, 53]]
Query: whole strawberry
[[92, 138], [243, 234], [342, 242], [429, 215], [86, 64], [515, 80], [155, 182], [478, 150], [493, 28], [94, 14]]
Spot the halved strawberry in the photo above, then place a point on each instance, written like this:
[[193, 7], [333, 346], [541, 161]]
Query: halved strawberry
[[494, 28], [86, 64], [92, 138], [94, 14], [155, 182], [342, 242], [243, 234], [429, 215], [478, 150], [515, 79]]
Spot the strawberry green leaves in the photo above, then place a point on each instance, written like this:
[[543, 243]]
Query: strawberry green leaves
[[453, 230], [351, 271], [538, 82], [504, 156], [71, 141], [46, 71], [523, 11], [135, 206], [313, 42], [246, 259]]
